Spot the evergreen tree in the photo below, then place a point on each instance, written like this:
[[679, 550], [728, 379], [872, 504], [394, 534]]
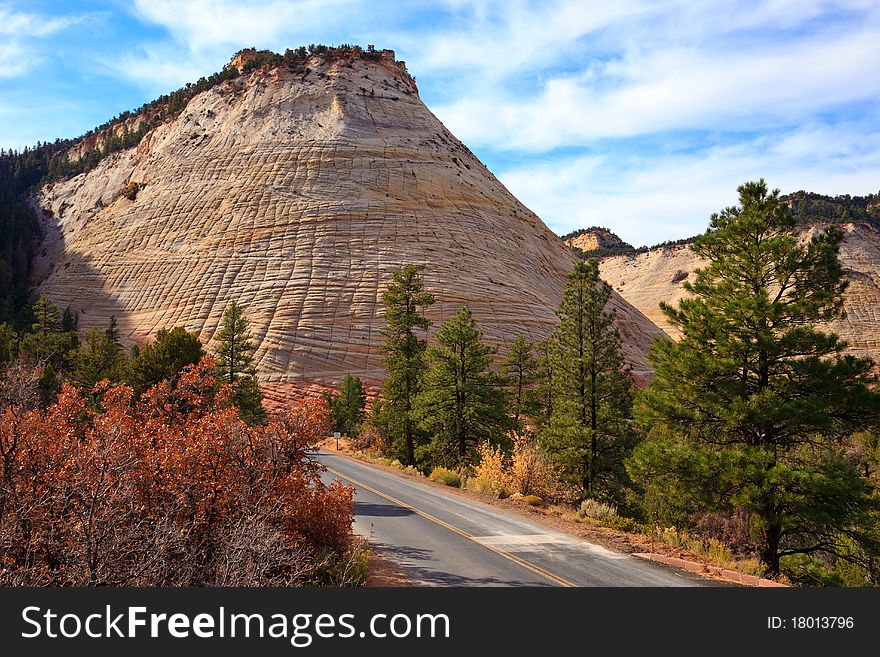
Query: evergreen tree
[[8, 344], [98, 358], [46, 341], [235, 364], [461, 402], [404, 356], [748, 409], [69, 321], [520, 369], [542, 394], [589, 432], [163, 359], [347, 408]]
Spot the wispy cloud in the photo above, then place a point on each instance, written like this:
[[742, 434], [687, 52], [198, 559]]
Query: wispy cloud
[[20, 34], [648, 200], [24, 24]]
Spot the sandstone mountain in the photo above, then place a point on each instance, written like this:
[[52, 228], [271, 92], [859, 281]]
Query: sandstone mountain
[[296, 189], [647, 278]]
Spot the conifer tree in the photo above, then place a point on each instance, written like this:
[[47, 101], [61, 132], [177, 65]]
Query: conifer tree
[[235, 364], [404, 356], [520, 369], [112, 331], [46, 341], [461, 402], [98, 358], [747, 410], [347, 408], [589, 433], [163, 359]]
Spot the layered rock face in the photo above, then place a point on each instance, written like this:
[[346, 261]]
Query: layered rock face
[[646, 279], [297, 191]]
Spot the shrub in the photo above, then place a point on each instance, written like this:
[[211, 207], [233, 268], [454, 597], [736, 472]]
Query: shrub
[[533, 500], [597, 510], [446, 477], [621, 523], [530, 472], [171, 490], [489, 475]]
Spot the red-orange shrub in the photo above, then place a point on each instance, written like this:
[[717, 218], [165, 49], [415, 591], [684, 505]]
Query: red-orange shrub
[[175, 490]]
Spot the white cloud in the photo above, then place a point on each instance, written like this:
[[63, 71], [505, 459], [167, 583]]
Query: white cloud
[[647, 199], [681, 88], [23, 24], [13, 61], [19, 32], [209, 24]]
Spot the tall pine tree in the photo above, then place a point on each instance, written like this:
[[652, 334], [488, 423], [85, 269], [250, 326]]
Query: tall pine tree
[[347, 408], [520, 369], [235, 364], [747, 411], [589, 432], [462, 402], [404, 356]]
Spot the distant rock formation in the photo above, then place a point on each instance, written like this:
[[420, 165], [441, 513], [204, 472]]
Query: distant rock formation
[[595, 239], [645, 279]]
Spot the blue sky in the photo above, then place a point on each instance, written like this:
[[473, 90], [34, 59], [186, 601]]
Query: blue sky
[[639, 115]]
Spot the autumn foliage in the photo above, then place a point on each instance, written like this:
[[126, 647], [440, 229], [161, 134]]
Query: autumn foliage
[[173, 490]]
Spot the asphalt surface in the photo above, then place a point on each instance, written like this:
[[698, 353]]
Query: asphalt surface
[[441, 539]]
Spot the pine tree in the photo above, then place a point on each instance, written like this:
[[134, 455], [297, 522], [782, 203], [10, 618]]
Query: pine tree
[[588, 433], [747, 410], [46, 341], [347, 408], [98, 358], [112, 331], [520, 369], [404, 356], [8, 344], [461, 402], [235, 364], [163, 359]]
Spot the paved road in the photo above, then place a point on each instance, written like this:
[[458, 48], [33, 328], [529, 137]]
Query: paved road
[[441, 539]]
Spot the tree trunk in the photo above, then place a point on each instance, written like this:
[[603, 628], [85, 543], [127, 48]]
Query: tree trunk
[[770, 549]]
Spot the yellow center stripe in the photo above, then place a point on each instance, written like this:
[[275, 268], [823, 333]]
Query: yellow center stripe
[[556, 579]]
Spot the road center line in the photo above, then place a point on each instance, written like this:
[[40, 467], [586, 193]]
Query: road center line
[[556, 579]]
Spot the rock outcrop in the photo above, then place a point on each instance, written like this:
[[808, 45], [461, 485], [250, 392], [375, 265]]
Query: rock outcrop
[[592, 239], [297, 190], [646, 279]]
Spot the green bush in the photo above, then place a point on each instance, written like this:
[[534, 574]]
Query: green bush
[[533, 500], [445, 476], [620, 523]]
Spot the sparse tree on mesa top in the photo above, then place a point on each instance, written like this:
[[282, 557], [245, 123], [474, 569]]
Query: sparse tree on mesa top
[[235, 364], [747, 411], [404, 356], [589, 432], [461, 403]]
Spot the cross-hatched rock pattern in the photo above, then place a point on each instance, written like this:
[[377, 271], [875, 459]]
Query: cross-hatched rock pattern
[[297, 191], [648, 278]]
